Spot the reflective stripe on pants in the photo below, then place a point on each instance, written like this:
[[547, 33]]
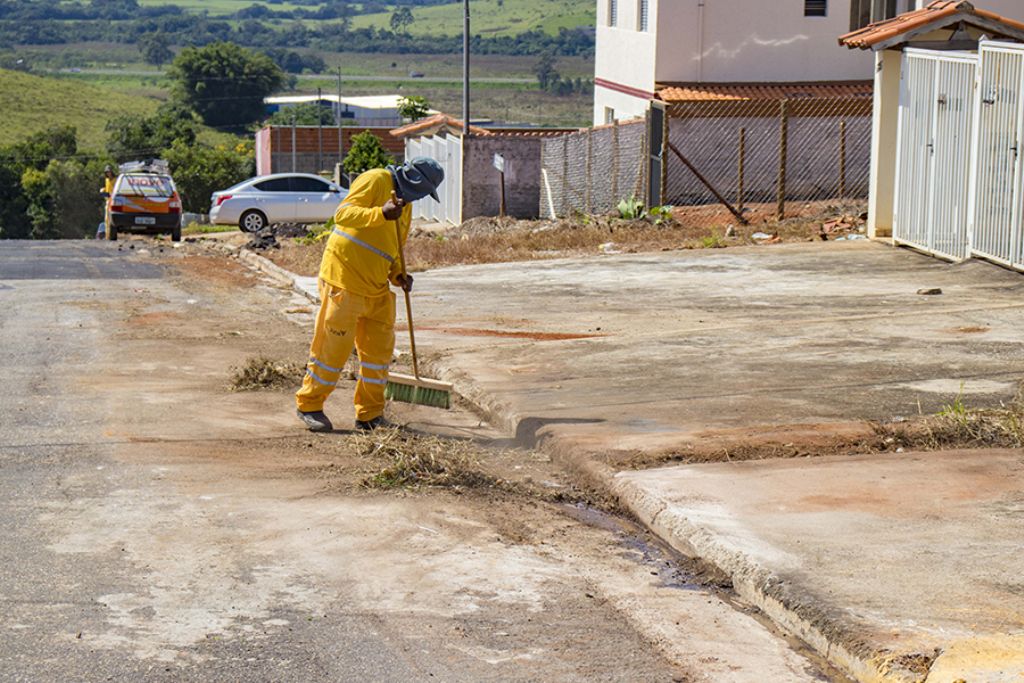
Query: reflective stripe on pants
[[344, 321]]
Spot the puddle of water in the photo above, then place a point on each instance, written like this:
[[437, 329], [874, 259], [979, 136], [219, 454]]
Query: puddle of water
[[637, 545]]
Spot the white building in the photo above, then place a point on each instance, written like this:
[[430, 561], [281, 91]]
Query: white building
[[365, 110], [643, 46]]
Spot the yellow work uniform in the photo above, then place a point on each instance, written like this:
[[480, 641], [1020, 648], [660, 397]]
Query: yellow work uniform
[[108, 185], [357, 307]]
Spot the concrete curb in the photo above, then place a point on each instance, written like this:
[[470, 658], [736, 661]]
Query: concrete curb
[[798, 613]]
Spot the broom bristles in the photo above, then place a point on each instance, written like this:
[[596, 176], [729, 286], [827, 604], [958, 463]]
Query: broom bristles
[[424, 392]]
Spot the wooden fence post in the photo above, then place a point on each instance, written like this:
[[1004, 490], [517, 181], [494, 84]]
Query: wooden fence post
[[740, 169], [664, 156], [842, 159], [615, 161], [783, 153], [565, 176], [588, 191]]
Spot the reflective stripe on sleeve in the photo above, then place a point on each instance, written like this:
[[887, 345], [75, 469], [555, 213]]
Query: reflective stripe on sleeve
[[364, 245]]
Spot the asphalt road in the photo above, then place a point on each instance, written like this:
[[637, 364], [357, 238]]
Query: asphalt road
[[156, 527]]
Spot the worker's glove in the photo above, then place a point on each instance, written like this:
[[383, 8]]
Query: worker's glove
[[393, 207], [404, 281]]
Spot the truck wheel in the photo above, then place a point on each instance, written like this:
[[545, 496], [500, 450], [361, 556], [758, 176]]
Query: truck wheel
[[252, 221]]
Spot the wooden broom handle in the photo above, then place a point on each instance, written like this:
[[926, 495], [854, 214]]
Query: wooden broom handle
[[408, 304]]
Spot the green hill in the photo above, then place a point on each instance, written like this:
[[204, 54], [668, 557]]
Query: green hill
[[489, 18], [33, 103]]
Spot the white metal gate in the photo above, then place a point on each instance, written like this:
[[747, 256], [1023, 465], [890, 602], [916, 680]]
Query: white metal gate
[[933, 166], [448, 152], [996, 224]]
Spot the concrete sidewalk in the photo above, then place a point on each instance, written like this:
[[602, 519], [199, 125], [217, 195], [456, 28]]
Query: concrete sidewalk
[[662, 352], [879, 562]]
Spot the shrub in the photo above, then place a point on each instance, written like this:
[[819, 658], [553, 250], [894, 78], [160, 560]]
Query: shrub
[[366, 152]]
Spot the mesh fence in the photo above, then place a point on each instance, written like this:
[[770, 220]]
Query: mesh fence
[[590, 171], [767, 158]]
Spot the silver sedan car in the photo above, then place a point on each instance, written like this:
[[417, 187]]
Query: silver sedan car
[[279, 198]]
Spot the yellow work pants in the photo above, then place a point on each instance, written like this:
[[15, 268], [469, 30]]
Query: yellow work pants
[[346, 320]]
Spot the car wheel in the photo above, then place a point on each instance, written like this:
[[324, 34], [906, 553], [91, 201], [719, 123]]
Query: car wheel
[[111, 232], [252, 221], [176, 234]]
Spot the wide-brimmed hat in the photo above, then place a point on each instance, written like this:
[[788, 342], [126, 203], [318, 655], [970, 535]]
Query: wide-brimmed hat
[[418, 178]]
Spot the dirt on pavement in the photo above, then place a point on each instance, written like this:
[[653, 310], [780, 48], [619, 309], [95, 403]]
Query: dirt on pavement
[[247, 454]]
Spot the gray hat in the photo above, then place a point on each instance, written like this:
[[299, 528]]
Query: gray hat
[[418, 178]]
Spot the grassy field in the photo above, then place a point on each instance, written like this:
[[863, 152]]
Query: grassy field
[[450, 66], [219, 8], [489, 18], [514, 102], [34, 103]]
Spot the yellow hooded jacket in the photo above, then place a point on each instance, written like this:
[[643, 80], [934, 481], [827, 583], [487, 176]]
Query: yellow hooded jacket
[[362, 252]]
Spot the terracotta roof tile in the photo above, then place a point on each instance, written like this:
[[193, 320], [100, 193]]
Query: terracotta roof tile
[[435, 121], [938, 12], [718, 92]]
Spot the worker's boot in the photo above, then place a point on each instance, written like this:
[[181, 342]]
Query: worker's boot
[[315, 421], [370, 425]]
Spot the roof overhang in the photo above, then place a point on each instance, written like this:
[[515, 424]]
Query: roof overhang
[[956, 16]]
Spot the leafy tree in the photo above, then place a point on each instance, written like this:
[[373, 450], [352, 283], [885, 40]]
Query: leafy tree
[[38, 148], [366, 152], [62, 199], [224, 83], [155, 48], [14, 222], [33, 154], [545, 70], [401, 19], [200, 170], [134, 137], [413, 107]]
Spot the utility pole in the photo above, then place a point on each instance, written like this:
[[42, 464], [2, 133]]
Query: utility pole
[[341, 151], [319, 130], [465, 69]]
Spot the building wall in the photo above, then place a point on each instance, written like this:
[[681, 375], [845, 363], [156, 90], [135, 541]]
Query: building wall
[[313, 144], [754, 41], [625, 60], [481, 189]]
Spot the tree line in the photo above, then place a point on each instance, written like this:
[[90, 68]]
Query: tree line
[[335, 36]]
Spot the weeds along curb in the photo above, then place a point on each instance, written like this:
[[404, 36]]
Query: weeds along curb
[[796, 613]]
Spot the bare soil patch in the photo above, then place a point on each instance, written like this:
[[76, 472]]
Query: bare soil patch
[[499, 240], [955, 426]]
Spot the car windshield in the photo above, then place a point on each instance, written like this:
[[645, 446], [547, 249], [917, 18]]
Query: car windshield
[[146, 186]]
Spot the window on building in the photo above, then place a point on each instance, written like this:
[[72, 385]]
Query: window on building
[[815, 8], [613, 12], [609, 115], [643, 12], [864, 12]]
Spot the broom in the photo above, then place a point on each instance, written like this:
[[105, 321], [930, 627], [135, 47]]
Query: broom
[[424, 392]]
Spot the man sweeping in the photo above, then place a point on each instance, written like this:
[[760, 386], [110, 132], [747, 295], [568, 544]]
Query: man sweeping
[[357, 308]]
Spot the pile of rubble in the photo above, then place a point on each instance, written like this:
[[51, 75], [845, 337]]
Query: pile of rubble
[[267, 237], [843, 227]]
